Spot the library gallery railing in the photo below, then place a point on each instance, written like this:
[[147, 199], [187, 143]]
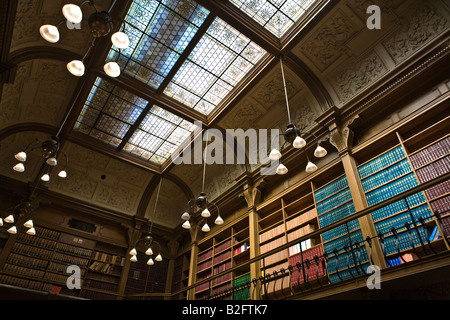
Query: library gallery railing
[[346, 262]]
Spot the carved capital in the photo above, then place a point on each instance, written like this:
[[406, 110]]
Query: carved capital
[[252, 192]]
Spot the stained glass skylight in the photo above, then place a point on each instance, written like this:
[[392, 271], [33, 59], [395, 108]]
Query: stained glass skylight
[[277, 16], [109, 113], [159, 31], [220, 60]]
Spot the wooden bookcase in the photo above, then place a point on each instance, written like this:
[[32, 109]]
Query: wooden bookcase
[[181, 275], [40, 262]]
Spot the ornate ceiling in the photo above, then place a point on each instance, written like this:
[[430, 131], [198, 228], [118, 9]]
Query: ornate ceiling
[[331, 60]]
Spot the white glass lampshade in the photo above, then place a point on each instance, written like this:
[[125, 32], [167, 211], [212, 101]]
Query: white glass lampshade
[[28, 224], [112, 69], [274, 155], [62, 174], [12, 230], [133, 258], [76, 67], [133, 252], [45, 177], [149, 252], [9, 219], [31, 231], [281, 169], [72, 13], [52, 161], [320, 152], [120, 40], [186, 225], [150, 262], [50, 33], [206, 213], [158, 257], [1, 222], [19, 167], [219, 220], [311, 167], [299, 143], [185, 216], [21, 156], [205, 227]]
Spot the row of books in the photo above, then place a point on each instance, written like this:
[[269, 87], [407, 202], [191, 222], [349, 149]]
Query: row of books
[[61, 268], [205, 255], [331, 188], [24, 270], [20, 282], [36, 241], [67, 248], [388, 174], [221, 268], [60, 278], [404, 240], [271, 233], [441, 205], [301, 219], [407, 257], [344, 240], [431, 153], [381, 162], [46, 233], [27, 250], [222, 256], [204, 285], [222, 246], [70, 260], [108, 258], [298, 277], [334, 201], [222, 289], [242, 294], [340, 230], [100, 285], [389, 190], [244, 246], [300, 232], [438, 190], [337, 214], [28, 262], [434, 169], [300, 247], [346, 273]]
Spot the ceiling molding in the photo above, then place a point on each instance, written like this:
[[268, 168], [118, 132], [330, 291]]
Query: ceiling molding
[[42, 52]]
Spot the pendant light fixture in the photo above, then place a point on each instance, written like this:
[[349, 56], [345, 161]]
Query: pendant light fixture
[[147, 239], [294, 137], [201, 203], [23, 211], [100, 23]]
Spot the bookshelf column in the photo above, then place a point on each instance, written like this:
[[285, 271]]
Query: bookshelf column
[[341, 137], [253, 196]]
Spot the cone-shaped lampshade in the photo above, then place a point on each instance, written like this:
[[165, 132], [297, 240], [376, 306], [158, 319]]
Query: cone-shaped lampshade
[[149, 252], [9, 219], [19, 167], [274, 155], [185, 216], [320, 152], [158, 257], [311, 167], [133, 252], [62, 174], [219, 220], [120, 40], [299, 143], [112, 69], [206, 213], [12, 230], [281, 169], [72, 13], [52, 161], [31, 231], [28, 224], [45, 177], [186, 225], [150, 262], [133, 258], [205, 227], [76, 67], [50, 33], [21, 156], [1, 222]]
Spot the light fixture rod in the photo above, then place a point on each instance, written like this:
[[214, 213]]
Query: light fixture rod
[[285, 90], [204, 162], [156, 202]]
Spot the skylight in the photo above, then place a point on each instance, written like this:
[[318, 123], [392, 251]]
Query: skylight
[[110, 112], [277, 16], [219, 61]]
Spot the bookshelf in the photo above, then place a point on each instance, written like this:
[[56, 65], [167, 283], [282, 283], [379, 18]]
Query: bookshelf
[[180, 275], [334, 202], [40, 262]]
